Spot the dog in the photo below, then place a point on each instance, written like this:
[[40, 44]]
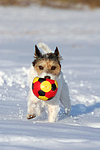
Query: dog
[[48, 65]]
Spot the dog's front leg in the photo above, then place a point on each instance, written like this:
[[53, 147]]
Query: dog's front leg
[[53, 112], [31, 110], [34, 108]]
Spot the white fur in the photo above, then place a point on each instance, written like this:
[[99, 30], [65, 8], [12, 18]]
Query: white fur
[[35, 106]]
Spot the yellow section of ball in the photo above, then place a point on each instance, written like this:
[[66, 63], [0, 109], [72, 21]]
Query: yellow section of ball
[[35, 79], [45, 86], [43, 98], [56, 83]]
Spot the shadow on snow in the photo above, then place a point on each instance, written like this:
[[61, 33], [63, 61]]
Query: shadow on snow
[[78, 109]]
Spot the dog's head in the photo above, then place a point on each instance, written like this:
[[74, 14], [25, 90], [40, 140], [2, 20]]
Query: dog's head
[[47, 65]]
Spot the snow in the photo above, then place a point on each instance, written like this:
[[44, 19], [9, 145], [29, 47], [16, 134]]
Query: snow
[[77, 34]]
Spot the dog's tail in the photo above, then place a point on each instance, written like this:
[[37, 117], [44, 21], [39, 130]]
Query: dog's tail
[[45, 48]]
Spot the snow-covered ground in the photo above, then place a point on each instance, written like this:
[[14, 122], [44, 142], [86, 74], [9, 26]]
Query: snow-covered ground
[[77, 34]]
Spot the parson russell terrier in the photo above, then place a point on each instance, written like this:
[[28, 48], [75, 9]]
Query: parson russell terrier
[[48, 65]]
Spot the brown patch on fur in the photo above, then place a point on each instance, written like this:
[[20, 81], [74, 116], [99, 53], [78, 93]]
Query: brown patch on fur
[[49, 56], [49, 66]]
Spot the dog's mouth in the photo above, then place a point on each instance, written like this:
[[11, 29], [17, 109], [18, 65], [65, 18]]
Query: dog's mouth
[[47, 77]]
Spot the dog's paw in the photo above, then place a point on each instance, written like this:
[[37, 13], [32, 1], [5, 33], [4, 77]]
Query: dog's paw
[[31, 116]]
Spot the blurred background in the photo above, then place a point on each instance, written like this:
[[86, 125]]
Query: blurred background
[[54, 3]]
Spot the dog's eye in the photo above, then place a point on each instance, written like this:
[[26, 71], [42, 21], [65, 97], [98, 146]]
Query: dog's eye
[[41, 68], [53, 67]]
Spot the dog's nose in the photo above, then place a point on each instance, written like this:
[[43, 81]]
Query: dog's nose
[[47, 77]]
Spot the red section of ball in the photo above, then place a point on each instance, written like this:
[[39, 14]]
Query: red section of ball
[[51, 93], [51, 81], [36, 88]]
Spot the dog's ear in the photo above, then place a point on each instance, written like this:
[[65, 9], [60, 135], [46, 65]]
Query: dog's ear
[[56, 52], [37, 52]]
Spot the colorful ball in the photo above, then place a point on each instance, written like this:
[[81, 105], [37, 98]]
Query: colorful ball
[[44, 89]]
